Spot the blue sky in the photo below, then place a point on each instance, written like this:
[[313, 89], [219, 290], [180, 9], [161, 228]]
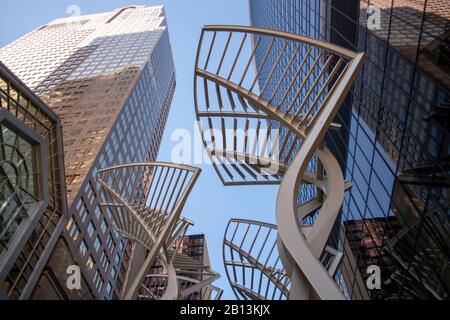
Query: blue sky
[[211, 205]]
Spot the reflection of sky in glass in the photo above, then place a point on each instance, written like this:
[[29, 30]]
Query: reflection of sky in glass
[[116, 52], [19, 184], [301, 17], [370, 171], [124, 40]]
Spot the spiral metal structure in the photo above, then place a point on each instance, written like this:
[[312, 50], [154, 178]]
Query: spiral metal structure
[[144, 201], [252, 262], [257, 130]]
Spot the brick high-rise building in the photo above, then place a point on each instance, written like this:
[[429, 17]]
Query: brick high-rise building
[[111, 79]]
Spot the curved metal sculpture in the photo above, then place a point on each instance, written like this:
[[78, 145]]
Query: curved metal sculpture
[[154, 284], [269, 134], [144, 202], [252, 263]]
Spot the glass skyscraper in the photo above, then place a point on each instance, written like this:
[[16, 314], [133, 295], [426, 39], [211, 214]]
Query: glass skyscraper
[[272, 15], [394, 142], [111, 79]]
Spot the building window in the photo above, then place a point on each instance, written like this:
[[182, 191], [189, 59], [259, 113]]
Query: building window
[[19, 179], [70, 224], [109, 288], [90, 263], [83, 213], [83, 248], [108, 240], [89, 193], [113, 273], [91, 140], [72, 179], [97, 212], [74, 231], [105, 264], [83, 153], [104, 259], [103, 226], [112, 245], [98, 281], [77, 165], [91, 229], [97, 244]]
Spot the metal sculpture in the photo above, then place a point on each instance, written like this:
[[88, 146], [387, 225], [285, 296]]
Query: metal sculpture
[[144, 202], [302, 84], [252, 263]]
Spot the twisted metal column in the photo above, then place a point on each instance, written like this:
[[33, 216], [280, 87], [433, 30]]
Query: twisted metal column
[[278, 129]]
